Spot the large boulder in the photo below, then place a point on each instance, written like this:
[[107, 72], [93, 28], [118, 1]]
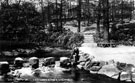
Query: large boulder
[[34, 62], [48, 61], [94, 66], [18, 62], [65, 62], [109, 70], [4, 67]]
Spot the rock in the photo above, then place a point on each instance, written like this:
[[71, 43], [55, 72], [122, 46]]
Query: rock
[[4, 67], [95, 68], [110, 62], [34, 62], [80, 66], [32, 51], [7, 53], [67, 71], [48, 61], [109, 70], [15, 53], [86, 55], [27, 51], [18, 62], [128, 75], [65, 62], [125, 67], [125, 76], [112, 71], [37, 72], [133, 76], [26, 65], [82, 59]]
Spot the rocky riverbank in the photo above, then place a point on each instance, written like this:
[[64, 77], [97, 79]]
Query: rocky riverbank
[[111, 68], [106, 59]]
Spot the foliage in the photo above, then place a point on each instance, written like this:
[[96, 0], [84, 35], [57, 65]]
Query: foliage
[[124, 34], [55, 11], [19, 21], [112, 12], [22, 22], [120, 9], [67, 39]]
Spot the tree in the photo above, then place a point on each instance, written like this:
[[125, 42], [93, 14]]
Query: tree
[[88, 9], [55, 13], [19, 21], [43, 13], [7, 2], [112, 11], [106, 20], [79, 15], [98, 18]]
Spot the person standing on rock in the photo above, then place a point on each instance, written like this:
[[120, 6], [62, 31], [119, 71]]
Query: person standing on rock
[[75, 56], [75, 61]]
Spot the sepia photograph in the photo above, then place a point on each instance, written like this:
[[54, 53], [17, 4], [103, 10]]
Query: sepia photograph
[[67, 41]]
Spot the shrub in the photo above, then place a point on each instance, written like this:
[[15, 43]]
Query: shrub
[[66, 39], [75, 39]]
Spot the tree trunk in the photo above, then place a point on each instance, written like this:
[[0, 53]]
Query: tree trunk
[[57, 15], [48, 13], [132, 9], [7, 2], [98, 19], [43, 14], [106, 20], [88, 18], [79, 15], [113, 12], [61, 10], [122, 12]]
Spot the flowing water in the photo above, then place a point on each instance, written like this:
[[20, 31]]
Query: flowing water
[[57, 74]]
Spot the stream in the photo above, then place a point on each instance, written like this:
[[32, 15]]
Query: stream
[[57, 74]]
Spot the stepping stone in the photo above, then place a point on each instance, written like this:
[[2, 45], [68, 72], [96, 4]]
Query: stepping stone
[[4, 67], [34, 62], [65, 62], [18, 62], [48, 61]]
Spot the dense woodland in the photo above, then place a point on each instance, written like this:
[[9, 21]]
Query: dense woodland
[[22, 22]]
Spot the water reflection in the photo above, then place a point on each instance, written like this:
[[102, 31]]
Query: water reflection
[[75, 74]]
